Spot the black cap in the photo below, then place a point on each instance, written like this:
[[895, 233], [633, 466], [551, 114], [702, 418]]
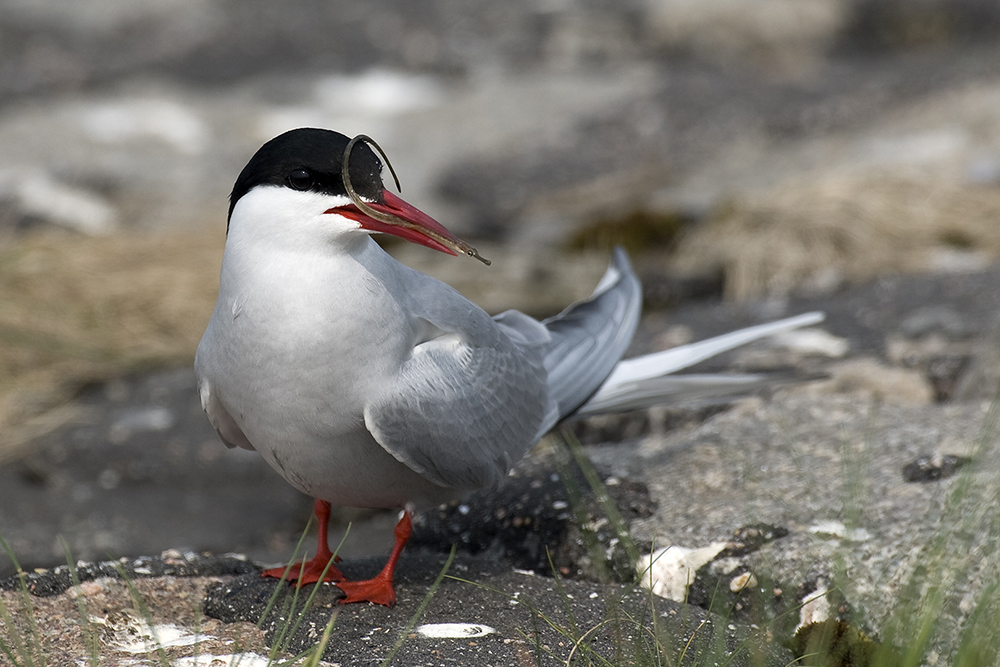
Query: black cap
[[310, 159]]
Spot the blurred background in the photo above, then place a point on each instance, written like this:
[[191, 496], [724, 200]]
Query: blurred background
[[741, 149]]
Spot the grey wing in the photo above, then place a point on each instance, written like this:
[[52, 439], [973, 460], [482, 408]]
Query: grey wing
[[459, 415], [469, 402]]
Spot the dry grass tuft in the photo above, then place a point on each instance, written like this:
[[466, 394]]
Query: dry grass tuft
[[846, 227], [77, 310]]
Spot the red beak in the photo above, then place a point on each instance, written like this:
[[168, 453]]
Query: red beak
[[413, 225]]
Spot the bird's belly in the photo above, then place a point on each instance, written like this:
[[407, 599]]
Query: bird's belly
[[317, 440], [305, 416], [296, 381], [351, 469]]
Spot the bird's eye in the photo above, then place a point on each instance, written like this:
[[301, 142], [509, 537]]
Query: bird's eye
[[300, 179]]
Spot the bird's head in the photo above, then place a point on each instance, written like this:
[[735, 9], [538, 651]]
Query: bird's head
[[311, 183]]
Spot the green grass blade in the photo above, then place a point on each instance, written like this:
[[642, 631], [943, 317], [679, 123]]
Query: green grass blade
[[91, 639], [32, 652], [17, 645], [316, 588], [144, 612], [420, 610], [603, 497], [6, 650], [320, 648]]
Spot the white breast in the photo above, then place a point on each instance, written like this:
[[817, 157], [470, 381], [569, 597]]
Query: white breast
[[300, 341]]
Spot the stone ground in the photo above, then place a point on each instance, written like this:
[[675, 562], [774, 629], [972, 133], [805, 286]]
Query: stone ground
[[512, 617], [823, 462]]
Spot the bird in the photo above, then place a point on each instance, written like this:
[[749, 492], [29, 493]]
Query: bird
[[366, 383]]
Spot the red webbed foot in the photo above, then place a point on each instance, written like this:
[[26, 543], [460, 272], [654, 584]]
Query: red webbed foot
[[379, 589], [311, 571], [308, 572]]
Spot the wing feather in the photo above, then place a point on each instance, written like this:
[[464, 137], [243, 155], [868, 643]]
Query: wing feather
[[467, 404], [589, 337]]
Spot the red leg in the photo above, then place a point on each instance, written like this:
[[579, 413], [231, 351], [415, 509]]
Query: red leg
[[379, 590], [313, 569]]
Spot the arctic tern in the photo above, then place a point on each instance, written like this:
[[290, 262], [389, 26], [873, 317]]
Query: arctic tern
[[366, 383]]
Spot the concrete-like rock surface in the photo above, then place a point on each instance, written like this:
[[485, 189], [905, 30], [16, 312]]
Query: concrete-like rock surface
[[509, 617], [823, 463]]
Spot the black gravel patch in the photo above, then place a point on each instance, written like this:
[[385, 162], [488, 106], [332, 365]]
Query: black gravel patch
[[933, 468], [747, 539], [728, 583], [46, 583], [545, 522]]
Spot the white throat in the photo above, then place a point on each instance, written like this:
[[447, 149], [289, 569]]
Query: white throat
[[286, 219]]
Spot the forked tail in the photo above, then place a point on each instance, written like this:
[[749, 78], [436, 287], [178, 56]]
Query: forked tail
[[587, 376]]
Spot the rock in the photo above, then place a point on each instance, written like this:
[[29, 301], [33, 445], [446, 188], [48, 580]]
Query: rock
[[35, 199], [135, 120], [99, 622], [782, 34], [702, 576], [668, 572], [880, 26], [828, 469], [516, 616], [876, 381], [939, 319], [933, 468], [172, 563]]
